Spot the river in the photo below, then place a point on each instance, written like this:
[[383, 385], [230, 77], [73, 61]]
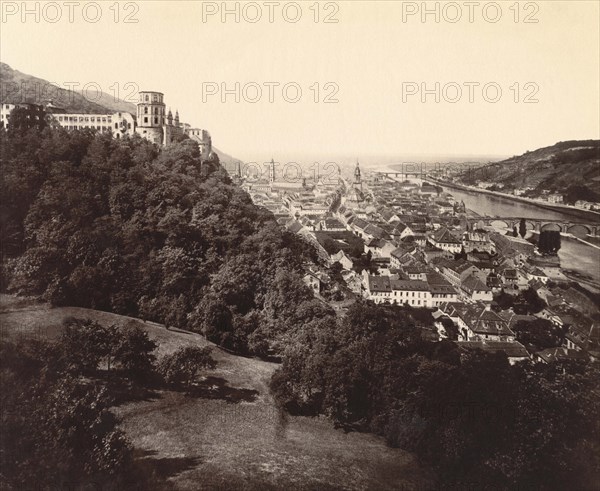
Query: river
[[574, 255]]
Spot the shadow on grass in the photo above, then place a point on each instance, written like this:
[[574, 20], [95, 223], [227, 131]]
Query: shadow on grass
[[217, 388], [156, 471], [124, 390]]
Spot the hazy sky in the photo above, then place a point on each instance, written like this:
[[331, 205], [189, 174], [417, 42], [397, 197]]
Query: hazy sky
[[366, 56]]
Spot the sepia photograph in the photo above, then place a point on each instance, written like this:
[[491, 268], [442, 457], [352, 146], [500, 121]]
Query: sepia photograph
[[301, 245]]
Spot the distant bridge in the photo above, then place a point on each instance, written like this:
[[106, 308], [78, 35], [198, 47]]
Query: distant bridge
[[578, 229], [412, 170]]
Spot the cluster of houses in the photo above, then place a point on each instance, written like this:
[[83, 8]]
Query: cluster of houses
[[405, 243]]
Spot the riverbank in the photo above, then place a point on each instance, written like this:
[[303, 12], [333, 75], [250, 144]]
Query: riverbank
[[586, 215]]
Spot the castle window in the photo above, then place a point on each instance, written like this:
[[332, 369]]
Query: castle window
[[116, 125], [147, 99], [155, 120], [146, 110], [145, 120], [155, 110]]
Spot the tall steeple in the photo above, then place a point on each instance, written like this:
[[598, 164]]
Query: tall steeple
[[357, 179], [176, 117]]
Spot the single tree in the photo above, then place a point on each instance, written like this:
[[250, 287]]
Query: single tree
[[522, 228], [182, 367]]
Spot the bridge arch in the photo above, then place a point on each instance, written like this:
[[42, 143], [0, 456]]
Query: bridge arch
[[579, 230], [551, 227], [500, 223]]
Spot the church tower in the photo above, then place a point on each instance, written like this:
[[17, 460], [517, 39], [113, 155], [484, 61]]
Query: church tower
[[357, 179]]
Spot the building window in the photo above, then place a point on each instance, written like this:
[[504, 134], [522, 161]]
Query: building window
[[146, 110], [156, 120], [116, 126], [147, 98], [145, 119]]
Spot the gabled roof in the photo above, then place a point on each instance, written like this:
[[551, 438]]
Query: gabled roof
[[401, 227], [379, 283], [360, 223], [479, 319], [472, 284], [378, 243], [375, 231], [489, 322], [409, 285], [512, 349], [333, 223], [438, 289], [556, 354], [294, 226], [443, 235]]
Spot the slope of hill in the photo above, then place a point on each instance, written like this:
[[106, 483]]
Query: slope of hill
[[232, 436], [226, 160], [554, 168], [21, 87]]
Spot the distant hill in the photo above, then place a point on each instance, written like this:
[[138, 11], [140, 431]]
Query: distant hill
[[226, 160], [554, 168], [12, 81], [20, 87]]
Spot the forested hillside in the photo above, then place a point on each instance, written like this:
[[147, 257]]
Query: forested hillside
[[121, 226], [21, 87], [570, 168], [117, 225], [482, 423]]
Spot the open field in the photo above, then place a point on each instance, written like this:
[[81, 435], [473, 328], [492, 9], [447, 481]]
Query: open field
[[231, 435]]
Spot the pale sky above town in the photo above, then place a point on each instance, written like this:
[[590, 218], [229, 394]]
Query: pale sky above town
[[368, 54]]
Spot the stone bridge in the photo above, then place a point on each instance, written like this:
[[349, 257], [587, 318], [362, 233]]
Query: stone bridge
[[578, 229], [411, 170]]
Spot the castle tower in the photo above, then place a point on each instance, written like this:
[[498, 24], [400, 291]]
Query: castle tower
[[151, 116], [170, 118], [150, 110], [177, 117]]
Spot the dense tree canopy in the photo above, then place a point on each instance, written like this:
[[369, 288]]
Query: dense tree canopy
[[483, 423], [114, 224]]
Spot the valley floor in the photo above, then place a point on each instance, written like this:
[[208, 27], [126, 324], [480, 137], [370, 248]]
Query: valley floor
[[231, 435]]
